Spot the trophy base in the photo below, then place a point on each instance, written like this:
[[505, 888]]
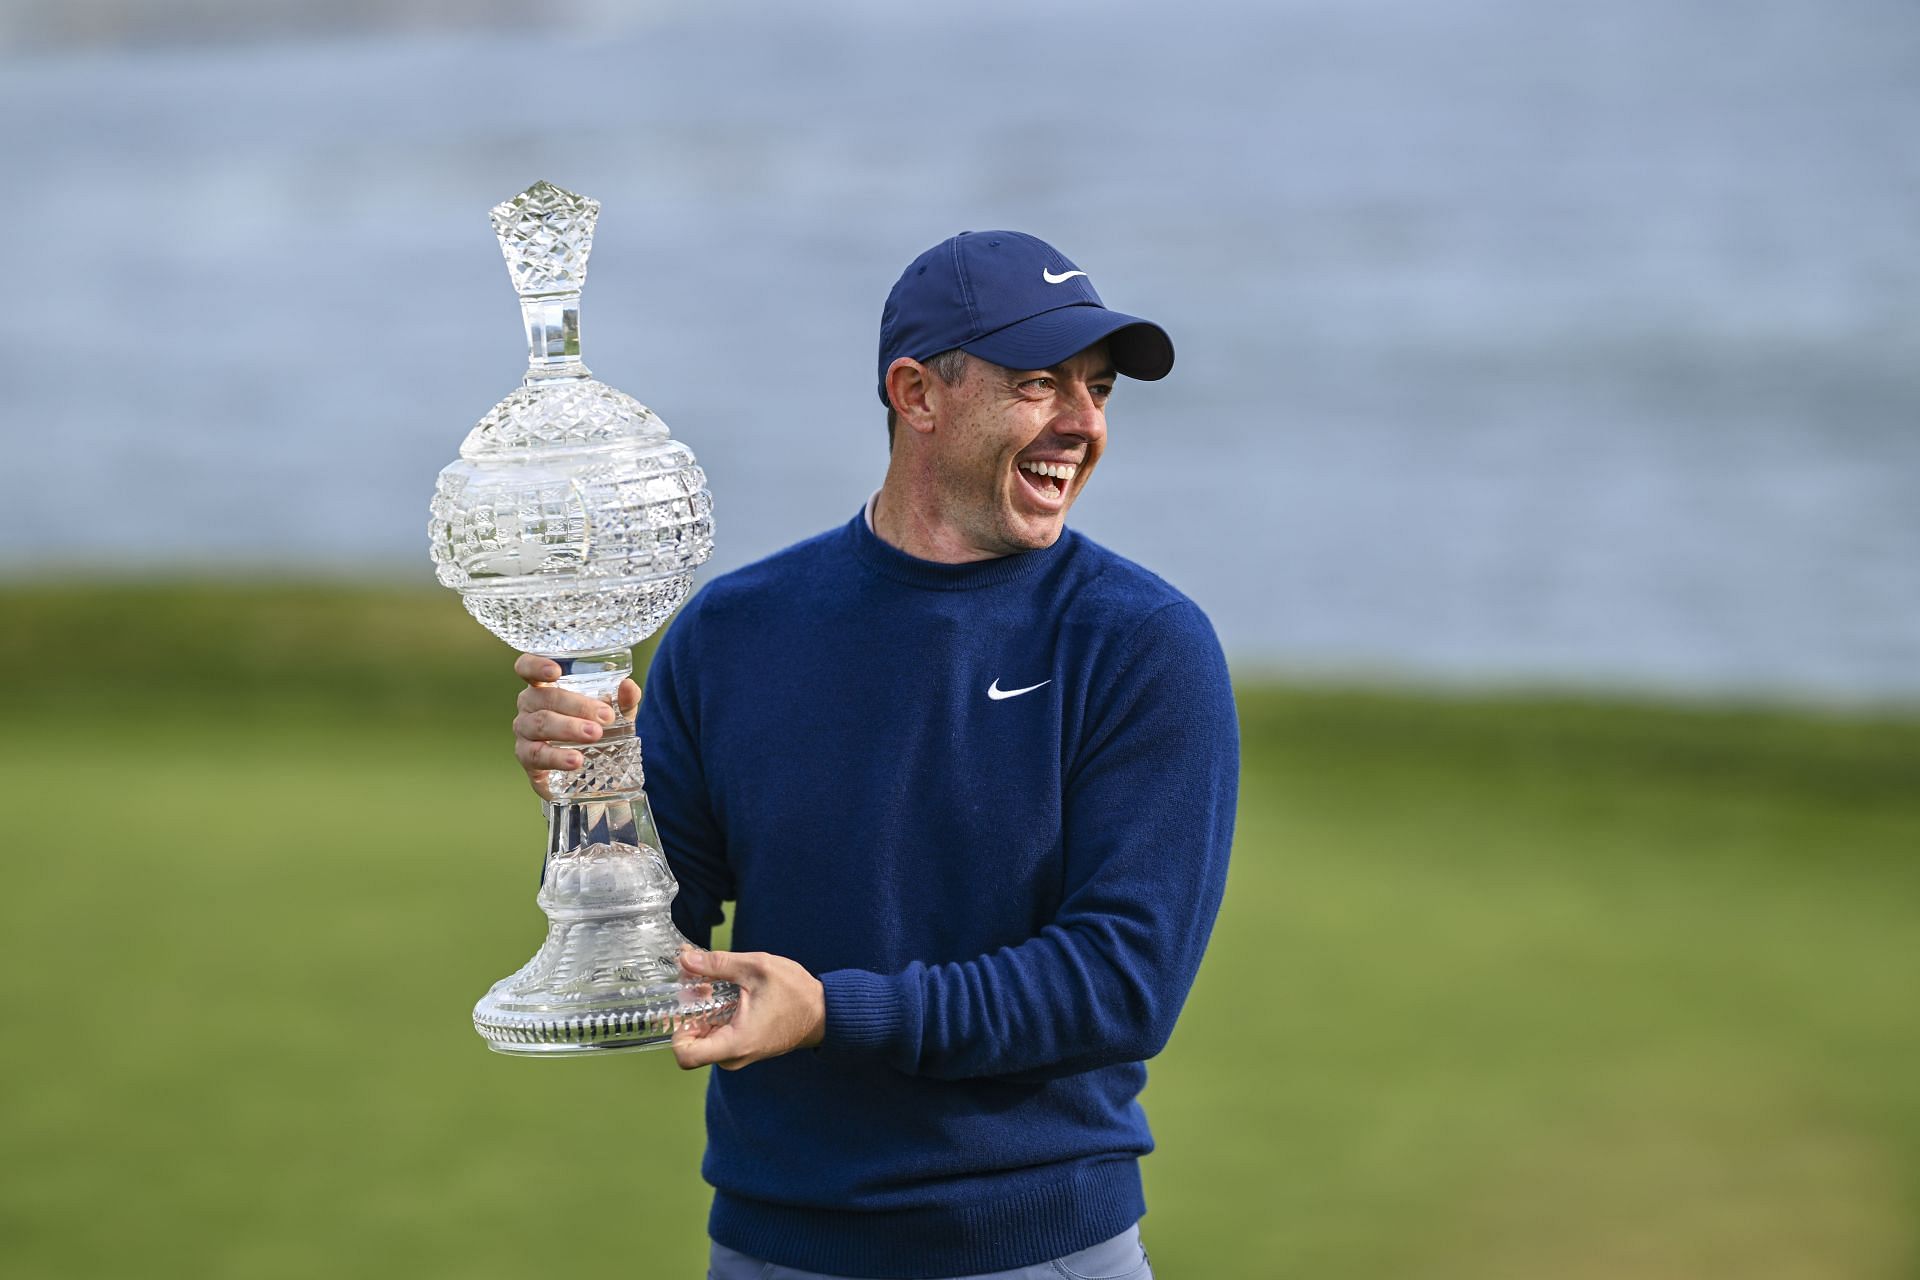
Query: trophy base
[[544, 1033], [577, 1050]]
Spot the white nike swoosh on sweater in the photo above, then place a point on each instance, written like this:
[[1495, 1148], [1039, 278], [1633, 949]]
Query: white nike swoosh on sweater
[[995, 692]]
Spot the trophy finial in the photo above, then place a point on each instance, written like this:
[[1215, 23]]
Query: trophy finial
[[546, 233]]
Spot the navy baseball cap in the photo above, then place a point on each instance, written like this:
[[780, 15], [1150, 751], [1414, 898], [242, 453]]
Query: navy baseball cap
[[1014, 300]]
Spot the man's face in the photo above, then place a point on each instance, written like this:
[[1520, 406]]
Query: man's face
[[1002, 431]]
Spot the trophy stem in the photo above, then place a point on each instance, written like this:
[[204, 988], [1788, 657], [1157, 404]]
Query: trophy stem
[[579, 823], [610, 767], [608, 978], [553, 337]]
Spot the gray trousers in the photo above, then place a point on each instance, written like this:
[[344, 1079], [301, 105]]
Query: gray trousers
[[1120, 1258]]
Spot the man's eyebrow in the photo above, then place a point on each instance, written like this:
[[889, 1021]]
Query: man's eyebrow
[[1102, 375]]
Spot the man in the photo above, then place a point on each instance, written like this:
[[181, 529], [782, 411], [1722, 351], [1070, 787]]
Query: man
[[969, 779]]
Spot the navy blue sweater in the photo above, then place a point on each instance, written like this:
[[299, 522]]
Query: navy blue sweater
[[989, 806]]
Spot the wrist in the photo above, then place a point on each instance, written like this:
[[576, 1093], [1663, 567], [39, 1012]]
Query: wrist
[[817, 1014]]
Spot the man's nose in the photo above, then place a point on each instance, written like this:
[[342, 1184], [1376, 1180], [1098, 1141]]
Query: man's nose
[[1081, 415]]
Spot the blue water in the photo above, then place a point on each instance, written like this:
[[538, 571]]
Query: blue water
[[1515, 342]]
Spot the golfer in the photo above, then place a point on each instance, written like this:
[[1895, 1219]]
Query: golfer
[[969, 780]]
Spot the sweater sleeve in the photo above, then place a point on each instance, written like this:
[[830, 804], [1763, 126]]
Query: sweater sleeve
[[690, 836], [1147, 810]]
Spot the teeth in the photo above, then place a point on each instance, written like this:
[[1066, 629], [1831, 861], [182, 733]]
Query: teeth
[[1058, 470]]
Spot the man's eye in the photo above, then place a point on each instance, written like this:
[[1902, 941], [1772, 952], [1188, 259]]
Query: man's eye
[[1037, 384], [1101, 393]]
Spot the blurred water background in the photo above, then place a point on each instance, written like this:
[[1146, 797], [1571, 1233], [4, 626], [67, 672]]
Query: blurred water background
[[1515, 342]]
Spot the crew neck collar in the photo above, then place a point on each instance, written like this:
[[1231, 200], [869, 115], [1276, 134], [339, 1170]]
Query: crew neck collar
[[932, 575]]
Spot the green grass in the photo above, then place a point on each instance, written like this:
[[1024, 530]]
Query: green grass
[[1504, 986]]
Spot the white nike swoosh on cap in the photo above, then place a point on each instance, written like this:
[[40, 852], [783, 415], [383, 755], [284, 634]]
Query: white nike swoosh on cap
[[995, 692], [1051, 278]]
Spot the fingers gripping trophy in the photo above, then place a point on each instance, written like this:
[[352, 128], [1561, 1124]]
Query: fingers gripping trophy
[[571, 526]]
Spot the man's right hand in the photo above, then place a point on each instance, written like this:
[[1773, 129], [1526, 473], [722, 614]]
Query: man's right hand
[[551, 717]]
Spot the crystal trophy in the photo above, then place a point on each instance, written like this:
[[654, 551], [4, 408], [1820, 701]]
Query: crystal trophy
[[571, 526]]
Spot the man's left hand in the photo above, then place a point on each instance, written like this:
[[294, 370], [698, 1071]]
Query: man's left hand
[[782, 1008]]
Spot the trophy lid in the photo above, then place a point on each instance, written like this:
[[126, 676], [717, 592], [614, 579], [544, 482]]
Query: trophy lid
[[587, 414], [546, 233]]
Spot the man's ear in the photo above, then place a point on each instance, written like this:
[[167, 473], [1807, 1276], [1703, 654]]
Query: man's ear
[[910, 386]]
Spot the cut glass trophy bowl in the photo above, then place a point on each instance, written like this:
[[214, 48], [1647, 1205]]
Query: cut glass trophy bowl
[[571, 525]]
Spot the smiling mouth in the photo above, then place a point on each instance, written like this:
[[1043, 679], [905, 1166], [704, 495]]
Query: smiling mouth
[[1049, 479]]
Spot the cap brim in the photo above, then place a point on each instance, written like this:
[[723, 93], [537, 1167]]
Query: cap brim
[[1140, 348]]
